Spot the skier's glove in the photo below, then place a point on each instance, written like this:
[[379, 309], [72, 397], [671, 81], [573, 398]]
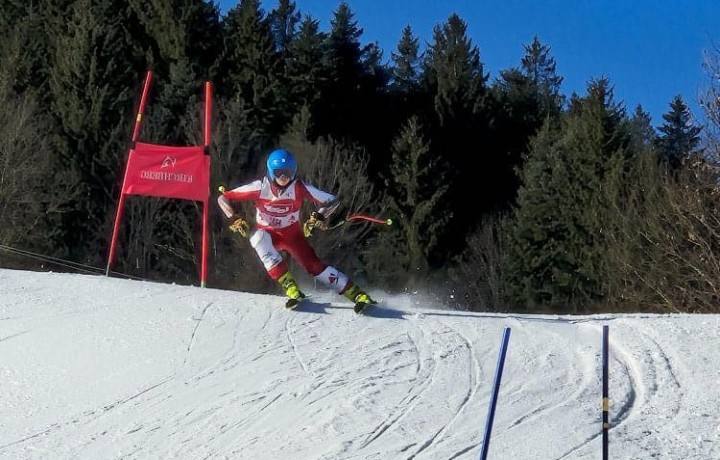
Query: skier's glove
[[240, 226], [316, 220]]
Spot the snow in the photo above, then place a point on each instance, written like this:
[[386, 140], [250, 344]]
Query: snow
[[104, 368]]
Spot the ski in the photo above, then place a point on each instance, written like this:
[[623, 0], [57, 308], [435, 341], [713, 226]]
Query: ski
[[360, 307], [292, 304]]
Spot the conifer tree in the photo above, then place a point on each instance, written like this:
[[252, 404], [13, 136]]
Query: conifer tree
[[540, 68], [558, 256], [174, 114], [679, 137], [406, 60], [175, 30], [524, 99], [345, 49], [402, 98], [458, 123], [11, 12], [641, 126], [253, 69], [454, 71], [406, 96], [252, 111], [418, 199], [420, 194], [92, 77], [284, 20], [340, 109], [304, 68], [22, 29]]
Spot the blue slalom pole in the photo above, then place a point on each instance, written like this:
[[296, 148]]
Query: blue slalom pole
[[496, 389]]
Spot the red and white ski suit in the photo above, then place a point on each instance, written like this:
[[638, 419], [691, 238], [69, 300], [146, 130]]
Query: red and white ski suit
[[277, 218]]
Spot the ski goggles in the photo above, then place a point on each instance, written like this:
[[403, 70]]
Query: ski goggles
[[283, 173]]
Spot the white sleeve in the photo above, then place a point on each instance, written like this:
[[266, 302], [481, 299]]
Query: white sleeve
[[225, 206], [328, 202], [329, 208]]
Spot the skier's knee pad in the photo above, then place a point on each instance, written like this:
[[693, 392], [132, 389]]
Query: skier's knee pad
[[333, 279]]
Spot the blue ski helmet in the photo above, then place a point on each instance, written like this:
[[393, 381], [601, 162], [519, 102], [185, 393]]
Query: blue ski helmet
[[281, 162]]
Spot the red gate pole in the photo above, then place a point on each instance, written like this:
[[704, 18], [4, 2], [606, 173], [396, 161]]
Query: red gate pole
[[141, 109], [121, 203], [206, 205]]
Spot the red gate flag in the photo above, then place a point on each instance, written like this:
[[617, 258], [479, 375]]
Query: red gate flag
[[166, 171]]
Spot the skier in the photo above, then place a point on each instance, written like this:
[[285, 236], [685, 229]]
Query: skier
[[278, 199]]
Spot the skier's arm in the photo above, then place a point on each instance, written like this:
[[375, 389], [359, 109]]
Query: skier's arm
[[243, 193], [225, 206], [328, 202], [238, 225], [328, 208], [318, 218]]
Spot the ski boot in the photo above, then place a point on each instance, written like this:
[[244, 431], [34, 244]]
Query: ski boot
[[292, 290], [360, 297]]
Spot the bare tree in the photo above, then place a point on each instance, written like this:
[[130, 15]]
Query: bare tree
[[477, 274], [665, 247], [24, 169], [710, 103]]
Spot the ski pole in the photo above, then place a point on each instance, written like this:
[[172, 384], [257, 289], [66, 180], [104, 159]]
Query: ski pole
[[363, 217], [374, 220]]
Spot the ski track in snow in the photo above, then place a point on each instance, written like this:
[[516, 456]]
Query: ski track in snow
[[655, 390], [210, 396]]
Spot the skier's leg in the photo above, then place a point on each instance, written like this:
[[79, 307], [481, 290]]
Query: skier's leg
[[274, 264], [328, 275]]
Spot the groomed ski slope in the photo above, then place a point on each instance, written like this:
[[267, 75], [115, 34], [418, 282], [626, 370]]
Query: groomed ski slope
[[102, 368]]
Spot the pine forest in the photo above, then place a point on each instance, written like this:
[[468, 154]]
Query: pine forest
[[505, 194]]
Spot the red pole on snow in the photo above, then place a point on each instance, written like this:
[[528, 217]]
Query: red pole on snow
[[146, 162], [121, 203], [206, 204]]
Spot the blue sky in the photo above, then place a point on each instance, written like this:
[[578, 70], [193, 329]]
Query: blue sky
[[651, 50]]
